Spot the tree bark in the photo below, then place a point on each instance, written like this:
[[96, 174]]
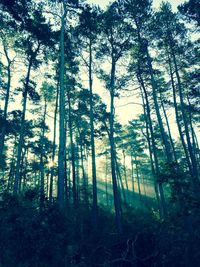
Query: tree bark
[[3, 130], [156, 171], [168, 128], [112, 150], [138, 178], [94, 178], [12, 167], [84, 184], [120, 183], [195, 175], [61, 151], [178, 117], [54, 147], [74, 189], [106, 181], [125, 176], [21, 135], [160, 122], [132, 174], [42, 173]]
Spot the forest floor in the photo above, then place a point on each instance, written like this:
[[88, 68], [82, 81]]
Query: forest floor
[[35, 235]]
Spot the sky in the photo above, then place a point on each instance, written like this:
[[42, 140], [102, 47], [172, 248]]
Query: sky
[[128, 108], [125, 108], [156, 3]]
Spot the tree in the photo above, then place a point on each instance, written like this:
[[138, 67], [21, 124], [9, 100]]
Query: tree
[[6, 38], [140, 14], [114, 44], [172, 33], [88, 29], [61, 157], [64, 6], [27, 89], [47, 92], [54, 146], [191, 10]]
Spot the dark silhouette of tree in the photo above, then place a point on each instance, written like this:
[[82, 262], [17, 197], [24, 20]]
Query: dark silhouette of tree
[[191, 10], [114, 43]]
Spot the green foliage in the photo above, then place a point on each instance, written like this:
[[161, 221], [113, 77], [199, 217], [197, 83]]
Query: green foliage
[[191, 9], [29, 236], [33, 236], [132, 49]]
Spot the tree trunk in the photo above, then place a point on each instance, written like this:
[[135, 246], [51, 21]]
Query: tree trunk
[[125, 176], [177, 117], [132, 174], [84, 184], [61, 152], [106, 181], [68, 170], [144, 45], [25, 166], [21, 135], [94, 178], [153, 151], [120, 183], [112, 151], [168, 128], [144, 186], [138, 178], [74, 189], [157, 109], [147, 119], [3, 130], [22, 168], [185, 122], [54, 147], [194, 143], [42, 174], [12, 167], [77, 172]]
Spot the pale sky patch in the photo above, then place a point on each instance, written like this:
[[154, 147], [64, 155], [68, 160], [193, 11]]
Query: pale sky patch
[[156, 3]]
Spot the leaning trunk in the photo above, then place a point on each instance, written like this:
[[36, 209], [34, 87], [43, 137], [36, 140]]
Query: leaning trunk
[[42, 193], [186, 128], [3, 131], [160, 122], [21, 135], [112, 152], [156, 171]]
